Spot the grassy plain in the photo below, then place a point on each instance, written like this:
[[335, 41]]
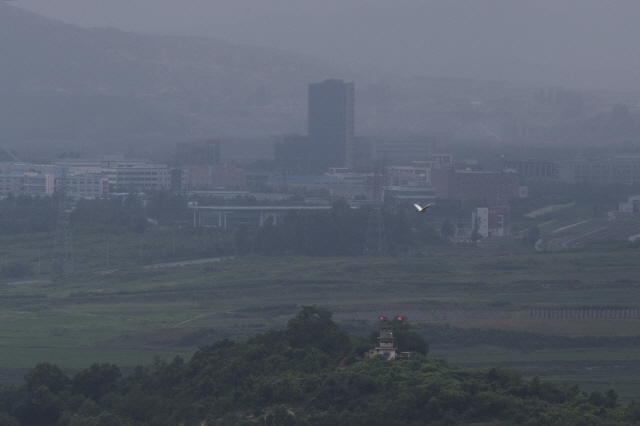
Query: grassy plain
[[131, 315]]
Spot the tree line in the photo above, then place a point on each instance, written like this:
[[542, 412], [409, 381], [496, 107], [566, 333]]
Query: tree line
[[336, 232], [306, 374]]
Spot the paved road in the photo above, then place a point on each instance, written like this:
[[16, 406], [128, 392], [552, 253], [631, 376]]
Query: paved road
[[180, 263], [610, 232], [188, 262], [30, 280]]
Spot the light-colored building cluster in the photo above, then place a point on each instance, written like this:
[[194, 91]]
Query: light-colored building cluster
[[419, 182], [618, 169], [89, 178], [608, 169]]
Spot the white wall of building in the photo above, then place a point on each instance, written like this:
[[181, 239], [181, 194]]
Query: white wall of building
[[481, 215]]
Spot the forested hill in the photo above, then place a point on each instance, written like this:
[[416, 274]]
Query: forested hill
[[307, 374], [44, 54]]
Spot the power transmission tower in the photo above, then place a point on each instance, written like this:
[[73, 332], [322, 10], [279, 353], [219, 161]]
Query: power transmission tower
[[62, 246], [284, 179], [376, 243]]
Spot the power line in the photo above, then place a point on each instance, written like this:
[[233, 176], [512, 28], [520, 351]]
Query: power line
[[62, 245], [376, 242]]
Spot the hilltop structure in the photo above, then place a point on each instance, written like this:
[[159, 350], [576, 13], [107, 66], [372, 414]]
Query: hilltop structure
[[386, 347]]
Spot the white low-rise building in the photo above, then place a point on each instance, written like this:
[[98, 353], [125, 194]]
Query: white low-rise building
[[11, 183], [90, 185], [631, 206]]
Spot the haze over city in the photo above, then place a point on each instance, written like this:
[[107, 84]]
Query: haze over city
[[319, 213], [577, 44]]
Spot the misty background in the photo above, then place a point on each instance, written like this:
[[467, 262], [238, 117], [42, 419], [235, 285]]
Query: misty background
[[531, 78], [577, 44]]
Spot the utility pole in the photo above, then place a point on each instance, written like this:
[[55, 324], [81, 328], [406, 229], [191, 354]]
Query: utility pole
[[193, 205]]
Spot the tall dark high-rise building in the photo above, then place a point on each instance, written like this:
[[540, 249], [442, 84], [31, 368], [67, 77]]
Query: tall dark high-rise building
[[331, 124], [205, 152]]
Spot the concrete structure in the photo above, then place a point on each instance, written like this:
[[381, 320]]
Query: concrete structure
[[92, 185], [206, 178], [338, 183], [90, 178], [480, 221], [386, 347], [11, 183], [523, 191], [39, 184], [444, 159], [362, 153], [33, 183], [411, 183], [535, 170], [631, 206], [224, 216], [614, 169], [492, 221], [203, 153], [482, 186], [405, 150], [409, 175], [258, 181], [412, 194], [246, 150], [129, 174], [22, 168], [331, 124], [140, 176], [292, 153]]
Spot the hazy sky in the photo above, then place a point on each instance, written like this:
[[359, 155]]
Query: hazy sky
[[574, 43]]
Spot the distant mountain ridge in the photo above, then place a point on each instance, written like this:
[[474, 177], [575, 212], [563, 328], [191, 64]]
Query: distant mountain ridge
[[107, 60], [62, 83], [99, 90]]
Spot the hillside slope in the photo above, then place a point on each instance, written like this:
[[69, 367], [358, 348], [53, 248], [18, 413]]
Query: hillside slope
[[63, 83]]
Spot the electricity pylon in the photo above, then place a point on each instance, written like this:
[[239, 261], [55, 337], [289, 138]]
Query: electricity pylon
[[62, 246], [376, 243]]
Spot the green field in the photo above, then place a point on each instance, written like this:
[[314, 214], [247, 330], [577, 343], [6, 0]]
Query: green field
[[131, 315], [100, 251]]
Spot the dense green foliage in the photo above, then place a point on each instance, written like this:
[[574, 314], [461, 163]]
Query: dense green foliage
[[109, 215], [306, 374], [339, 231], [26, 214]]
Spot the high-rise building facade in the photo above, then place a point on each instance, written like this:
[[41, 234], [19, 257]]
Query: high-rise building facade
[[331, 124], [205, 153]]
